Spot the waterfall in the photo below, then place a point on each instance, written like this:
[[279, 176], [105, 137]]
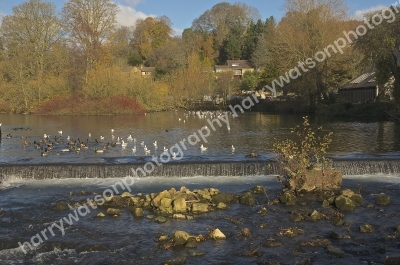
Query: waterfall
[[246, 168]]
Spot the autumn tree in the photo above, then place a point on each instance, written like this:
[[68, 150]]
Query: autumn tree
[[89, 24], [380, 46], [31, 34], [151, 33], [306, 29], [221, 18]]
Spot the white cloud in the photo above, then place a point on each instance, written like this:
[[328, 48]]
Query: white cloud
[[359, 14], [177, 32], [127, 15]]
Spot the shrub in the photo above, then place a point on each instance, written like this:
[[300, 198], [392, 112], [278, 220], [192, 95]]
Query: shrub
[[303, 155]]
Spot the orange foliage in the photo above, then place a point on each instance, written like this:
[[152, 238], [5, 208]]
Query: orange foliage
[[78, 104]]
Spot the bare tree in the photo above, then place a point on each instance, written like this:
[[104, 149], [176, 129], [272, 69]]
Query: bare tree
[[89, 24]]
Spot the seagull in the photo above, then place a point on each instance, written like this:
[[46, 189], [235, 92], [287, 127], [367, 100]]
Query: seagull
[[155, 144], [60, 132], [90, 135], [147, 151], [1, 124], [203, 148], [165, 150], [174, 156], [134, 149], [130, 137], [112, 131], [101, 137], [233, 149], [142, 143], [123, 144]]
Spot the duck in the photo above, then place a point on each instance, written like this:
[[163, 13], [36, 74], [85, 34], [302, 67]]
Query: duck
[[98, 150]]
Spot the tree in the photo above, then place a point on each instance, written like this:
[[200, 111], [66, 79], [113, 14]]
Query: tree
[[221, 18], [150, 34], [381, 46], [89, 23], [307, 28], [31, 34]]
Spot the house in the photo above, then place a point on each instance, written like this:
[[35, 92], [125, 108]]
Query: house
[[363, 88], [238, 67], [147, 71]]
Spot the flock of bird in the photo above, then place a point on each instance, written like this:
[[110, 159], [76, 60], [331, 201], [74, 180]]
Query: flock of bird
[[52, 144]]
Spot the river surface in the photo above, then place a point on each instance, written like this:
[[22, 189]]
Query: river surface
[[27, 205], [249, 132]]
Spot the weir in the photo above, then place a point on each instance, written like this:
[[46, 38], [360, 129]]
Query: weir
[[246, 168]]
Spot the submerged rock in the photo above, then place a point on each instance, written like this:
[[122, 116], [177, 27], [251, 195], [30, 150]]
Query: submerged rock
[[335, 235], [382, 200], [366, 228], [296, 217], [335, 251], [247, 198], [160, 219], [258, 190], [100, 215], [179, 205], [222, 206], [176, 261], [191, 243], [196, 253]]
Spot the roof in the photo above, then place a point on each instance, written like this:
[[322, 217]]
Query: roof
[[235, 64], [367, 79], [147, 69]]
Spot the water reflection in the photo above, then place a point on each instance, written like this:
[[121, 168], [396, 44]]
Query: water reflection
[[249, 132]]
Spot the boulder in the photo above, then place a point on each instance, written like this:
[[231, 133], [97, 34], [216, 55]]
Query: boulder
[[382, 200], [179, 216], [198, 207], [138, 212], [344, 203], [315, 180], [247, 198], [296, 217], [217, 234], [112, 211], [223, 197], [126, 194], [100, 215], [157, 199], [165, 205], [222, 206], [180, 237], [191, 243], [288, 198], [347, 192], [179, 205]]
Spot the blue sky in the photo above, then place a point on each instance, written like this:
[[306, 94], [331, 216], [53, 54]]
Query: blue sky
[[182, 13]]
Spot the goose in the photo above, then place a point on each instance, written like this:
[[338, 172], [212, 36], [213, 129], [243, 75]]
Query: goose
[[203, 148]]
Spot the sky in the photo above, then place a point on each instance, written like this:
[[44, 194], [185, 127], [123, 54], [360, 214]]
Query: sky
[[183, 12]]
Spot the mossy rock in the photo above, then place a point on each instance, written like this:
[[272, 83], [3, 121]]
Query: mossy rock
[[382, 200]]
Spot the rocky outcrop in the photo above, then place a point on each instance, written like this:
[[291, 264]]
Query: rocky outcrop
[[315, 180]]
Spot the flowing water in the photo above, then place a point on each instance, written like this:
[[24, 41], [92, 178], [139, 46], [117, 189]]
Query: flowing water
[[366, 151]]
